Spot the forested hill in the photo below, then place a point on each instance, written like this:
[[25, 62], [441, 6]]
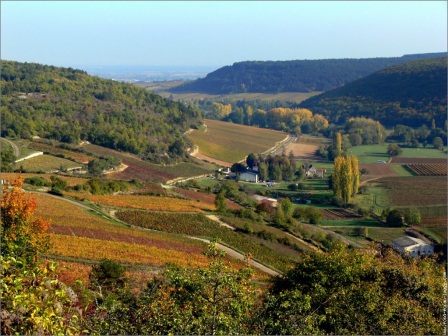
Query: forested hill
[[68, 105], [291, 76], [411, 94]]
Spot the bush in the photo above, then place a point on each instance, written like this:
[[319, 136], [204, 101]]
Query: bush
[[36, 181]]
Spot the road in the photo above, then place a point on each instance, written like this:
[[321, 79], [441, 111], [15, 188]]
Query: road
[[14, 146], [337, 235], [240, 256]]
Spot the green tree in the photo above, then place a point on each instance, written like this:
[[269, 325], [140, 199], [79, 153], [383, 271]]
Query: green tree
[[251, 160], [314, 215], [217, 299], [348, 291], [107, 275], [394, 150], [412, 216], [263, 171], [395, 218], [7, 158], [220, 203], [437, 143]]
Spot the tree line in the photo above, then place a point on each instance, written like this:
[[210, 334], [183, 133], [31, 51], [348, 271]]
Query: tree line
[[291, 76]]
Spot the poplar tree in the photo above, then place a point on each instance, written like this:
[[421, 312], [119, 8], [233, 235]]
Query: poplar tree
[[346, 177]]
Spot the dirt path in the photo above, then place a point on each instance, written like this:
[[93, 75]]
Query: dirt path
[[311, 246], [121, 168], [220, 222]]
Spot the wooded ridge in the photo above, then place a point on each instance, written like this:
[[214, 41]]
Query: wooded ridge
[[70, 106], [411, 94], [291, 76]]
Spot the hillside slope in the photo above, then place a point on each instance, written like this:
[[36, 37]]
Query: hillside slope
[[291, 76], [412, 94], [70, 106]]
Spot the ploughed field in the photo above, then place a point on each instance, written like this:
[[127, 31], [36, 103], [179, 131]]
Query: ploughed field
[[416, 190], [428, 169]]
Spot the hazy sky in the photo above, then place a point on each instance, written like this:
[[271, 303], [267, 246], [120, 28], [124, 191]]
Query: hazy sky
[[216, 33]]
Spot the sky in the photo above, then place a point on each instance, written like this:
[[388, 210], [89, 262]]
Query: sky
[[216, 33]]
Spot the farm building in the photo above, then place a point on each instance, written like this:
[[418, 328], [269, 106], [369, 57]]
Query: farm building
[[311, 172], [249, 176], [412, 246]]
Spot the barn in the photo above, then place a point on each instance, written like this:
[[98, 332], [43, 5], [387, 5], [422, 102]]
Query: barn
[[414, 247]]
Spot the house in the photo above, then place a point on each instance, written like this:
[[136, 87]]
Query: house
[[320, 173], [249, 176], [225, 170], [412, 246], [310, 172]]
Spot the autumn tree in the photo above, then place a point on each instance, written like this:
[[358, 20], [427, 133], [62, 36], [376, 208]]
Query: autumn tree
[[22, 235], [346, 177], [33, 300], [336, 147]]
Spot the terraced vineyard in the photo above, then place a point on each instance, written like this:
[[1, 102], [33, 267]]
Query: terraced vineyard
[[428, 169], [200, 226], [146, 202], [337, 214]]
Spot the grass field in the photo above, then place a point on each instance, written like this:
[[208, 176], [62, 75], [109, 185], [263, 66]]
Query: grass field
[[370, 153], [373, 153], [357, 223], [423, 153], [401, 170], [231, 142]]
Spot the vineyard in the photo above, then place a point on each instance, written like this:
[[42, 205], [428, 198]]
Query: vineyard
[[429, 169], [231, 142], [57, 151], [96, 249], [198, 225], [146, 171], [46, 163], [205, 198], [70, 220], [71, 181], [152, 203], [416, 190], [339, 214]]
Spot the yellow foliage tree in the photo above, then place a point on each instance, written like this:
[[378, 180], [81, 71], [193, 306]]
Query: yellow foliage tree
[[346, 177]]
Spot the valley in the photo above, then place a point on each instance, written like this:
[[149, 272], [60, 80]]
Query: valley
[[250, 187]]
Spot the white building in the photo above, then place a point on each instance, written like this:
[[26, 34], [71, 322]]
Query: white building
[[412, 246], [249, 176]]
